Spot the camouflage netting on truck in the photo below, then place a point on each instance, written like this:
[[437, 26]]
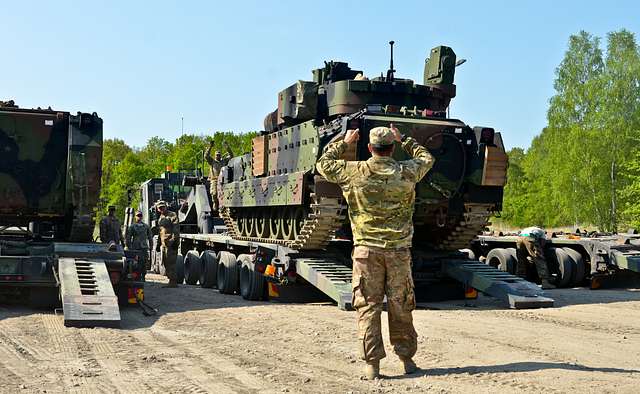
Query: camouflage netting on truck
[[50, 170]]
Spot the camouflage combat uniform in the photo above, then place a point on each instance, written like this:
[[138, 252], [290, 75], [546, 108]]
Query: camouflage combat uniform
[[110, 230], [138, 237], [380, 193], [169, 237], [214, 172], [530, 243]]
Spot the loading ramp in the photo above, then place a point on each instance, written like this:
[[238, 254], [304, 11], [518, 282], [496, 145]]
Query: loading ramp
[[88, 299]]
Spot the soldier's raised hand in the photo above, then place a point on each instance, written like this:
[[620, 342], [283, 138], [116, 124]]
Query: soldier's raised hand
[[352, 136], [396, 133]]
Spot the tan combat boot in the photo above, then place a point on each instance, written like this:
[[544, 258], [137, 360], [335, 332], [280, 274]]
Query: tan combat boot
[[408, 364], [546, 285], [372, 370]]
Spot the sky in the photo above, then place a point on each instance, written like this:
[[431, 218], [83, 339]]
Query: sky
[[143, 66]]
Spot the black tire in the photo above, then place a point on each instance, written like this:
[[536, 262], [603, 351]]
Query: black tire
[[579, 269], [564, 267], [192, 267], [180, 269], [44, 297], [228, 273], [209, 275], [502, 260], [252, 282]]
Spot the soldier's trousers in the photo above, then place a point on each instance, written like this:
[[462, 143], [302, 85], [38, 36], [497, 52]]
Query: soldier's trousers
[[213, 190], [169, 256], [534, 248], [377, 272]]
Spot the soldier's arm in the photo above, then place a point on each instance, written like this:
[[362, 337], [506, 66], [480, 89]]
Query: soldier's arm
[[229, 154], [127, 237], [207, 154], [150, 237], [331, 166], [422, 160]]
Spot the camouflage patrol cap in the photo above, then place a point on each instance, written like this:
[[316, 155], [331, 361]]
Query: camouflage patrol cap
[[138, 213], [161, 203], [381, 136]]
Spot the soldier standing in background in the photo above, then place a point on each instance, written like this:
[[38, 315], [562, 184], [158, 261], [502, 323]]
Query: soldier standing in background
[[380, 193], [216, 163], [530, 246], [138, 237], [170, 239], [110, 229]]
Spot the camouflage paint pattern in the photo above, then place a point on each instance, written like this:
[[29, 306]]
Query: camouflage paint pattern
[[50, 169], [380, 192]]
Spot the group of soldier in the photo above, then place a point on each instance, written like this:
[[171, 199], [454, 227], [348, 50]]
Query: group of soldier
[[380, 193]]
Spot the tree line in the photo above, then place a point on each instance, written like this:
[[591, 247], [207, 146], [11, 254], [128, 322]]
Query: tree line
[[124, 167], [584, 167]]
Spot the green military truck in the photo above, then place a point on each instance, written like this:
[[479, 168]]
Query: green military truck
[[50, 174]]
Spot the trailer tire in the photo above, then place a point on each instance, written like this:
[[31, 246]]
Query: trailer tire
[[228, 273], [579, 267], [469, 253], [44, 297], [252, 282], [180, 269], [502, 260], [209, 275], [192, 267], [564, 267]]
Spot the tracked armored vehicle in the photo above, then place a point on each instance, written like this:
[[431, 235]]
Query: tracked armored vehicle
[[274, 193], [50, 174]]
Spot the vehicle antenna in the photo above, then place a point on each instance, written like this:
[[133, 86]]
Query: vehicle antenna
[[390, 76]]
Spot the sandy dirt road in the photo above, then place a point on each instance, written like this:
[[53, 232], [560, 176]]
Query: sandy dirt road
[[203, 342]]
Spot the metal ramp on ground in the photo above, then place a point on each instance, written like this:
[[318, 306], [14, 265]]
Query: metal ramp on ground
[[517, 292], [331, 278], [88, 299]]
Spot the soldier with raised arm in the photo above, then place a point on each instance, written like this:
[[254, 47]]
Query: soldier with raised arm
[[380, 193], [216, 163]]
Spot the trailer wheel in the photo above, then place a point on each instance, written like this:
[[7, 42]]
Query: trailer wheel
[[564, 267], [252, 282], [228, 273], [469, 253], [180, 269], [579, 268], [209, 275], [502, 259], [192, 267]]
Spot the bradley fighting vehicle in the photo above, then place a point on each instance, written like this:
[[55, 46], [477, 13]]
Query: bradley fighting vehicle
[[286, 232], [274, 193], [50, 174]]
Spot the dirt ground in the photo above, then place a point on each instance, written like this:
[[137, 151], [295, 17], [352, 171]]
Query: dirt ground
[[203, 341]]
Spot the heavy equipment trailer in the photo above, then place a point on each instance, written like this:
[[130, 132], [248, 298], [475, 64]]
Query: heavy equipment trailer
[[261, 271], [573, 259], [50, 173]]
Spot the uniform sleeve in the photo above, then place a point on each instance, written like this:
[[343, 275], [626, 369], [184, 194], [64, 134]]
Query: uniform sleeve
[[207, 155], [176, 227], [331, 166], [128, 235], [421, 161], [103, 231]]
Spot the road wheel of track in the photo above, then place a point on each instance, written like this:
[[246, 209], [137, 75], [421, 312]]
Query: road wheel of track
[[228, 273], [242, 223], [192, 267], [287, 223], [252, 282], [502, 260], [275, 228], [299, 215], [209, 275], [579, 267], [564, 267], [262, 223], [251, 223], [180, 269]]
